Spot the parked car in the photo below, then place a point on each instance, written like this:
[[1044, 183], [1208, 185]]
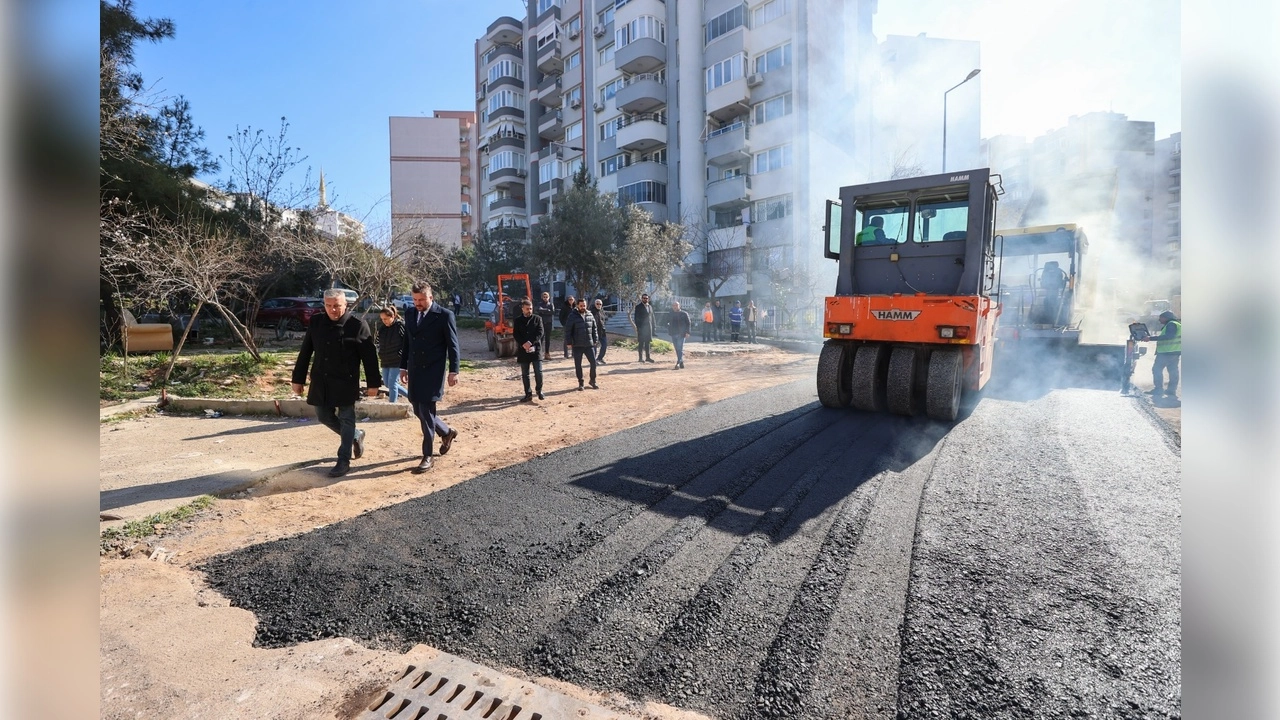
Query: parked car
[[486, 302], [289, 313], [402, 302]]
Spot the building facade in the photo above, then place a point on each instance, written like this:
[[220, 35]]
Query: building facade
[[1166, 221], [432, 176], [737, 119]]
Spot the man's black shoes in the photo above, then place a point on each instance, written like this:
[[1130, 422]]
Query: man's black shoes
[[357, 447], [342, 468], [540, 397], [593, 387], [423, 466], [446, 442], [527, 398]]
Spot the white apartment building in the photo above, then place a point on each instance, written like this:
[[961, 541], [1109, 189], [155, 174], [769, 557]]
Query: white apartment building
[[738, 119], [431, 179]]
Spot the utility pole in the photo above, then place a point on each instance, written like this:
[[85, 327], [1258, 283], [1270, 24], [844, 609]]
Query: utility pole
[[969, 77]]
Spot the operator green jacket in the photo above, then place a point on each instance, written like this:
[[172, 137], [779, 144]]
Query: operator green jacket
[[1170, 339]]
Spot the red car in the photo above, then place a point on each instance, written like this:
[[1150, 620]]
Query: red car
[[289, 313]]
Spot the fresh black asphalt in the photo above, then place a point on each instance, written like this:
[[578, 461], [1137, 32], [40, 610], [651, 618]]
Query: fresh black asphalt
[[763, 557]]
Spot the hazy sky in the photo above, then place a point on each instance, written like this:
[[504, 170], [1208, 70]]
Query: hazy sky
[[338, 69]]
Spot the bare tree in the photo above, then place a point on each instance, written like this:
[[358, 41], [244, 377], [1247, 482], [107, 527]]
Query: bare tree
[[906, 163], [721, 263], [650, 253]]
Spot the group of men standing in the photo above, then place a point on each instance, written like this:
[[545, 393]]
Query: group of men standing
[[717, 325]]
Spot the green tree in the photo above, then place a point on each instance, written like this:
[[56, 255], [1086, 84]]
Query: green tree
[[498, 251]]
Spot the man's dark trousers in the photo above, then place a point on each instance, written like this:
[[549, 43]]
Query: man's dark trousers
[[341, 420], [536, 362], [643, 341], [604, 342], [432, 424], [578, 352]]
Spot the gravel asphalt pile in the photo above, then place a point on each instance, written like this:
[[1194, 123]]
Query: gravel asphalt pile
[[763, 557]]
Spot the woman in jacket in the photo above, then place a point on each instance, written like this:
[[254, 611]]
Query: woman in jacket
[[391, 337]]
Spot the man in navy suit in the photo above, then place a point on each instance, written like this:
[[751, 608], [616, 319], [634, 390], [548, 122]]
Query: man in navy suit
[[431, 348]]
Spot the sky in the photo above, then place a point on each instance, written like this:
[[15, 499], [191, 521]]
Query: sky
[[338, 70]]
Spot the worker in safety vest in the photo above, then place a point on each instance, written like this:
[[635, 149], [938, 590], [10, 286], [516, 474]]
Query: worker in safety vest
[[1168, 354], [872, 234]]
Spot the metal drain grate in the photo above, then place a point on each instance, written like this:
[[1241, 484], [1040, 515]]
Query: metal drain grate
[[451, 688]]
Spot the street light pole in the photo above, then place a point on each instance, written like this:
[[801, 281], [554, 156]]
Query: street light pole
[[969, 77]]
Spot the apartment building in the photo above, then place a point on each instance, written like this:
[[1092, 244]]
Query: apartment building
[[738, 119], [1166, 221], [432, 176]]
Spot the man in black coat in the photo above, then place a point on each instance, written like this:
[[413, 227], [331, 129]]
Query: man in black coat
[[580, 334], [643, 321], [529, 337], [432, 348], [597, 312], [565, 312], [678, 328], [340, 343], [546, 310]]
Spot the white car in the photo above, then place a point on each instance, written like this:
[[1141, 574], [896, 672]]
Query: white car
[[486, 302], [403, 302]]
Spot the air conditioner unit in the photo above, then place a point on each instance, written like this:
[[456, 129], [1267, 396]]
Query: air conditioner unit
[[480, 94], [599, 31], [598, 107], [573, 34], [575, 104], [754, 79]]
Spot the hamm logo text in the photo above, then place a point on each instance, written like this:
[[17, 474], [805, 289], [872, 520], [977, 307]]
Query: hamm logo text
[[895, 314]]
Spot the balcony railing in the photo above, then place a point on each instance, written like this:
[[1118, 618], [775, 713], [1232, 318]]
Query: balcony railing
[[641, 117], [726, 129]]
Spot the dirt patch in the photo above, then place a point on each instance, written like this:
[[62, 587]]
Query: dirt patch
[[171, 646]]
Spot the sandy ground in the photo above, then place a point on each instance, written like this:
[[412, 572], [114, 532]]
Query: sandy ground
[[170, 647]]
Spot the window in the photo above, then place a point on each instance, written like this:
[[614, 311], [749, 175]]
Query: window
[[571, 167], [610, 127], [726, 71], [573, 61], [574, 96], [605, 55], [773, 108], [725, 218], [940, 219], [619, 3], [549, 37], [726, 22], [505, 160], [774, 208], [657, 156], [611, 89], [505, 98], [548, 170], [574, 25], [645, 26], [893, 219], [730, 261], [768, 12], [648, 191], [466, 208], [611, 165], [773, 59], [605, 16], [773, 159], [573, 132], [506, 68], [545, 5]]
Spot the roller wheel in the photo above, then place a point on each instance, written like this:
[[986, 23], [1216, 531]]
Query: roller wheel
[[942, 394], [901, 389], [868, 378], [492, 339], [833, 375]]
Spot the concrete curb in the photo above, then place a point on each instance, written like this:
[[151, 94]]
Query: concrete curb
[[285, 408]]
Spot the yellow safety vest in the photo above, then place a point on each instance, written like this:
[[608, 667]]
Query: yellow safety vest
[[1174, 344]]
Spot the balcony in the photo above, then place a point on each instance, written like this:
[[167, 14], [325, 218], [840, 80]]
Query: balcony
[[550, 188], [640, 56], [657, 210], [505, 138], [728, 145], [642, 132], [550, 126], [507, 177], [506, 111], [641, 171], [729, 194], [549, 58], [510, 202], [504, 30], [642, 93], [729, 100], [549, 91], [505, 49]]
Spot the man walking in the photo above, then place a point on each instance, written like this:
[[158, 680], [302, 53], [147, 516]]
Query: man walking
[[597, 313], [752, 314], [341, 343], [546, 310], [1168, 354], [643, 321], [735, 320], [528, 333], [708, 320], [432, 348], [678, 328], [580, 334]]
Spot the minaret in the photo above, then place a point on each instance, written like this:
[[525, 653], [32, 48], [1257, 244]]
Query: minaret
[[323, 202]]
